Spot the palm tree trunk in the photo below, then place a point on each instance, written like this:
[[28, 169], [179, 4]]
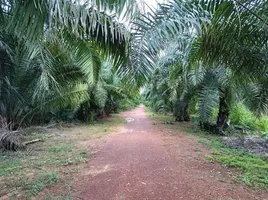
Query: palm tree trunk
[[183, 112], [186, 113], [223, 116]]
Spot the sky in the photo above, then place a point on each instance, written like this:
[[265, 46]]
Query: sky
[[153, 2], [150, 3]]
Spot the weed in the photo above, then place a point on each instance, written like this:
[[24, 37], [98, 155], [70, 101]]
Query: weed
[[199, 141], [222, 180], [84, 154], [210, 158], [64, 148], [215, 151], [44, 180]]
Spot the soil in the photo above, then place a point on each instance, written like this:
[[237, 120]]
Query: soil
[[251, 144], [147, 162]]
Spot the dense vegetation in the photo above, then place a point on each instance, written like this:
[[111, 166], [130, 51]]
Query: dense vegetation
[[215, 67], [63, 72], [73, 61]]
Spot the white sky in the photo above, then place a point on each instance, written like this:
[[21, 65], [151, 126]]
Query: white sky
[[149, 2], [144, 4], [153, 2]]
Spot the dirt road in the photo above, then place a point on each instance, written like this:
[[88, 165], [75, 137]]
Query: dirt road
[[145, 163]]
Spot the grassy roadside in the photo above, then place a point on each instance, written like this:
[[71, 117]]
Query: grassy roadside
[[251, 169], [56, 160]]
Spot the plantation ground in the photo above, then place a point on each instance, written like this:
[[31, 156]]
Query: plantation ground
[[147, 158]]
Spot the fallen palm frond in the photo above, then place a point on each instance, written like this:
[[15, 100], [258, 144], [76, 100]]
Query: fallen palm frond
[[13, 140], [10, 140]]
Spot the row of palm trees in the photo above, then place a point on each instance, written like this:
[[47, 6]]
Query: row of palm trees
[[222, 61], [86, 56], [58, 55]]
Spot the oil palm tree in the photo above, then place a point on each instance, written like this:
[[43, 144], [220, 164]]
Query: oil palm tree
[[230, 34], [237, 39], [50, 53]]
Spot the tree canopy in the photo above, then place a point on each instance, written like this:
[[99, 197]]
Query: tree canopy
[[190, 57]]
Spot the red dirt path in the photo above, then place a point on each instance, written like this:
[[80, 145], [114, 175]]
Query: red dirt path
[[144, 163]]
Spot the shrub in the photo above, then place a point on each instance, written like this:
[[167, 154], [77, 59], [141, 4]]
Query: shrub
[[126, 104], [240, 115], [214, 114], [263, 124]]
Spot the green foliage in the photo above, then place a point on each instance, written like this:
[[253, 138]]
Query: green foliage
[[240, 115], [46, 72], [262, 124], [214, 114], [44, 180], [79, 61], [254, 168], [126, 104], [216, 63], [193, 105]]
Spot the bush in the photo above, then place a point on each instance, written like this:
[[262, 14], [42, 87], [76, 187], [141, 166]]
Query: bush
[[214, 114], [240, 115], [127, 104], [263, 124]]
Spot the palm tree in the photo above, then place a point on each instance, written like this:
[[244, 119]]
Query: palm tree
[[105, 94], [229, 34], [54, 54], [237, 39]]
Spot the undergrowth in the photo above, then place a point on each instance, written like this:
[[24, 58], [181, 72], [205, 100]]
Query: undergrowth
[[127, 104], [253, 169]]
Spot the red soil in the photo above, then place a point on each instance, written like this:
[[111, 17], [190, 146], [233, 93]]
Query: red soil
[[144, 163]]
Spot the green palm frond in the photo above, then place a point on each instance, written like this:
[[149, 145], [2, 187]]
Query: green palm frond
[[256, 96], [237, 37], [31, 18], [208, 95], [100, 95], [150, 33], [71, 96]]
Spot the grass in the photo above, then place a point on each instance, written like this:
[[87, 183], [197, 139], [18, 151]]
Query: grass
[[43, 180], [251, 169], [56, 160]]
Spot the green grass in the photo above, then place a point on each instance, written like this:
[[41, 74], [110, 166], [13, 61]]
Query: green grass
[[61, 148], [252, 169], [35, 186], [160, 116], [127, 104], [60, 156]]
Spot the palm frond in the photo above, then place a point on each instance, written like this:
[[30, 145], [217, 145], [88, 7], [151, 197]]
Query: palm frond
[[150, 31], [101, 95], [30, 18], [236, 37], [256, 97], [208, 95]]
